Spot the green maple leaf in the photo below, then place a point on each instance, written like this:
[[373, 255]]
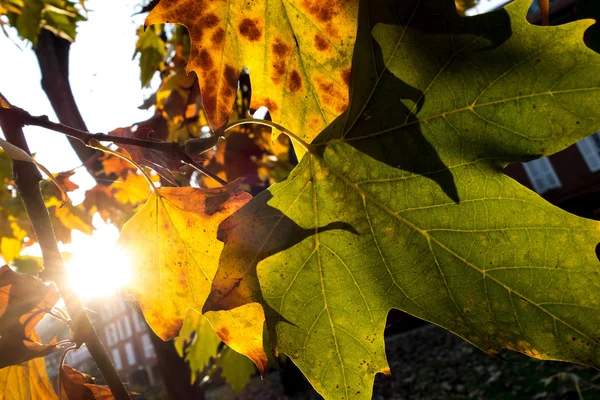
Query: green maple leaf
[[401, 202]]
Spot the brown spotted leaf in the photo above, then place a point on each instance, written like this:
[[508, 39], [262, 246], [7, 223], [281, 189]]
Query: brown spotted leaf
[[160, 161], [172, 243], [24, 300], [298, 53], [26, 381], [75, 385]]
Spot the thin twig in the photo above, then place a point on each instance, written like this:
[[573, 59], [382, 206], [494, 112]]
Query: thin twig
[[85, 137], [27, 179], [290, 134]]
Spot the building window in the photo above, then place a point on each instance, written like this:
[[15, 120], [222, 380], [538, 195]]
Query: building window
[[130, 353], [138, 323], [116, 358], [542, 175], [589, 148], [120, 329], [127, 326], [111, 334], [148, 348]]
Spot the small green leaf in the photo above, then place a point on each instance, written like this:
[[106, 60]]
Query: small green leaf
[[197, 342], [152, 52], [236, 369]]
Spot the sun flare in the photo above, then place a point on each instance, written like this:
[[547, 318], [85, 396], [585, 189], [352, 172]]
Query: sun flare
[[96, 266]]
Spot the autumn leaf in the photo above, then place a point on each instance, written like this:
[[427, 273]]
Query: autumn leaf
[[235, 369], [298, 54], [197, 342], [173, 246], [134, 189], [26, 381], [3, 102], [112, 164], [64, 178], [102, 199], [401, 202], [151, 49], [75, 385], [24, 301], [160, 161]]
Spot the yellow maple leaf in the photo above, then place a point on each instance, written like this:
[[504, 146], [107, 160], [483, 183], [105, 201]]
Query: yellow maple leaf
[[298, 53], [172, 242]]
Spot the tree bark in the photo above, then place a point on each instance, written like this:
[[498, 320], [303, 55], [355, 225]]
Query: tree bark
[[27, 179]]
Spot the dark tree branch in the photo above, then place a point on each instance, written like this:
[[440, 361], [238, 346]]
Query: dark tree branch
[[172, 148], [53, 57], [27, 179]]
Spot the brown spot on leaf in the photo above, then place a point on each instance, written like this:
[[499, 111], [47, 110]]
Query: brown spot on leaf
[[215, 203], [218, 37], [314, 124], [295, 81], [331, 95], [321, 43], [346, 76], [230, 78], [324, 11], [281, 51], [209, 95], [270, 104], [205, 60], [250, 30], [224, 334], [209, 21]]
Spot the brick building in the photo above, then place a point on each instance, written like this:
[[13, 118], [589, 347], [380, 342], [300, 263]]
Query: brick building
[[126, 338]]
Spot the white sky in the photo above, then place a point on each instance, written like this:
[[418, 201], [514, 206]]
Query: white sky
[[104, 78], [106, 85]]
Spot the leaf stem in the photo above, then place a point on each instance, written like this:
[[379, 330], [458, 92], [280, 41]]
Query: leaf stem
[[96, 145], [291, 135], [206, 172]]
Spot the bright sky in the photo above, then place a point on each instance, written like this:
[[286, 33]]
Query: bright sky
[[104, 78], [105, 81]]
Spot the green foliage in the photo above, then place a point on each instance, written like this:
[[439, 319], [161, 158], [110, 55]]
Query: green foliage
[[28, 17], [235, 369], [197, 343], [151, 49], [402, 202]]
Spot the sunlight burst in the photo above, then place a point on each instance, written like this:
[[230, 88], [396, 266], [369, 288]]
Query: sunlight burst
[[97, 267]]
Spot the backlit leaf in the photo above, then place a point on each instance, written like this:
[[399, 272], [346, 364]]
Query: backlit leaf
[[401, 202], [133, 190], [197, 342], [75, 385], [26, 381], [173, 246], [159, 161], [24, 301], [298, 54], [151, 49], [235, 369]]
